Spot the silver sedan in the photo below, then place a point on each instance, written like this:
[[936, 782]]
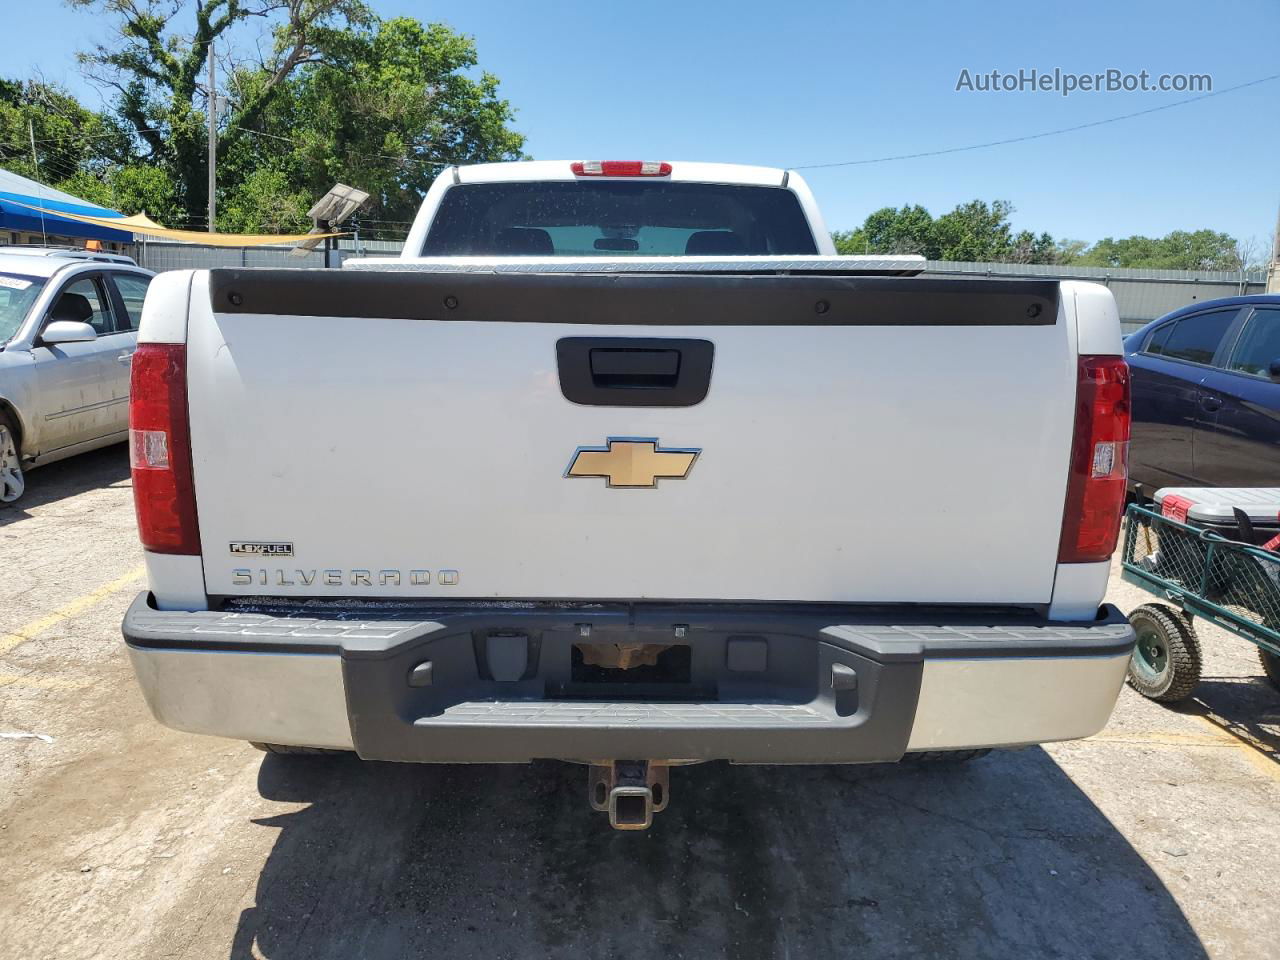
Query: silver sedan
[[68, 329]]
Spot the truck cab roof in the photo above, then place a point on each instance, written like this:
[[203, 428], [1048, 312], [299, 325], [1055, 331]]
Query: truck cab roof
[[67, 253], [681, 170]]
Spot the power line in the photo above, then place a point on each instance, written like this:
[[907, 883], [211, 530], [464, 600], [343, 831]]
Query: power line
[[357, 156], [1039, 136], [103, 136]]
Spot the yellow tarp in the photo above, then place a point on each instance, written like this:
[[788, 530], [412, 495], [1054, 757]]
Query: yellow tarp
[[141, 223]]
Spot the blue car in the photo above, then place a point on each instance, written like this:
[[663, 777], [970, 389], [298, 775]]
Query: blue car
[[1206, 396]]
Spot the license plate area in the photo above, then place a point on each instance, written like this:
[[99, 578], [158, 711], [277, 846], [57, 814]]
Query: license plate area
[[642, 671]]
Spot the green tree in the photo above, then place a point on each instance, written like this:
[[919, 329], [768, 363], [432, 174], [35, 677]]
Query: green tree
[[68, 137], [266, 202], [972, 231], [908, 229], [342, 95], [975, 231], [81, 151], [389, 107], [1179, 250], [981, 231], [157, 67], [851, 242], [1068, 251], [132, 188]]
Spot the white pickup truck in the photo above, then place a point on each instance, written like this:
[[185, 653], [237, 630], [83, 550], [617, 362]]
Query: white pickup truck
[[619, 463]]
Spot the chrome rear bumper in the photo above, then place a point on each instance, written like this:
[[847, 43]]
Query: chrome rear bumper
[[763, 683]]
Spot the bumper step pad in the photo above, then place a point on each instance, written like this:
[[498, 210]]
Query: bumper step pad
[[660, 716]]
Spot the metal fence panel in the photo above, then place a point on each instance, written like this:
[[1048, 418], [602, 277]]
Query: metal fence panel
[[1141, 293]]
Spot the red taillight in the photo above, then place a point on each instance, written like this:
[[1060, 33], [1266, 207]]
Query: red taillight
[[620, 168], [160, 449], [1099, 462]]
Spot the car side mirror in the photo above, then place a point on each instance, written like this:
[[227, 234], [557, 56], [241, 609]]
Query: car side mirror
[[68, 331], [1273, 370]]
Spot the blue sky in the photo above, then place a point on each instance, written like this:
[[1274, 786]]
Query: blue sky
[[813, 82]]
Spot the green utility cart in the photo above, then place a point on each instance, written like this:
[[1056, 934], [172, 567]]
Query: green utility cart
[[1207, 569]]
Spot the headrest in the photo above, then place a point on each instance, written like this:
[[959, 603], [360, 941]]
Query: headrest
[[524, 241], [710, 243], [73, 306]]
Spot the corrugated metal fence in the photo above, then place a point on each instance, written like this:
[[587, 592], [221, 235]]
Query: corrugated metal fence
[[161, 255], [1141, 294]]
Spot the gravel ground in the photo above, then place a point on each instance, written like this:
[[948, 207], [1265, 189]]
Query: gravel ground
[[118, 838]]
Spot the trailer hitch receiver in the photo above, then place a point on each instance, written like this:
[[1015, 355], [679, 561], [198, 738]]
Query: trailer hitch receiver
[[630, 791]]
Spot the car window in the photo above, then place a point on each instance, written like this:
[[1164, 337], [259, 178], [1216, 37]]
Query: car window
[[612, 218], [92, 290], [1259, 344], [17, 293], [133, 290], [1196, 338], [1157, 339]]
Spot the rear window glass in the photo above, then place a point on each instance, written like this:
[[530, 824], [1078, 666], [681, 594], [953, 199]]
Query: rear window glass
[[617, 219], [1195, 338]]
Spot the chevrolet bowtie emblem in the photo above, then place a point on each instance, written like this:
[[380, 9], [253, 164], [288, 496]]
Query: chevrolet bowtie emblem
[[631, 462]]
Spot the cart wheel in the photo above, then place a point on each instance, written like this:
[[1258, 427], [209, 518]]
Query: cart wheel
[[1270, 666], [1166, 661]]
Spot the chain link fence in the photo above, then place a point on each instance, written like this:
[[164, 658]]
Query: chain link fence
[[1240, 578]]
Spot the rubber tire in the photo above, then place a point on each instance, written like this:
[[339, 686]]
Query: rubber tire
[[944, 756], [286, 750], [1182, 646], [1270, 666], [7, 421]]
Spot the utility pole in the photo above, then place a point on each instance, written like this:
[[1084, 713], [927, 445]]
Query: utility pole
[[1273, 268], [35, 161], [213, 142]]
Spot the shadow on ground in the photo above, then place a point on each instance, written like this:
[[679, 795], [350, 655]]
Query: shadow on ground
[[1248, 708], [1003, 857], [68, 478]]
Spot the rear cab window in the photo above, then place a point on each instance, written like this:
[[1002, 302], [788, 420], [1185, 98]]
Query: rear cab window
[[618, 218]]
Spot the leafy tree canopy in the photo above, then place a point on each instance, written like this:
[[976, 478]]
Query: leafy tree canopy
[[331, 93], [981, 231], [1179, 250]]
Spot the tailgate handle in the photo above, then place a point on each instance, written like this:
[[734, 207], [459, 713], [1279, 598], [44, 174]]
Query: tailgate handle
[[634, 371], [630, 368]]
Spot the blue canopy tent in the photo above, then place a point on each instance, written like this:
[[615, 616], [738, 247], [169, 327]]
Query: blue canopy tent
[[18, 195]]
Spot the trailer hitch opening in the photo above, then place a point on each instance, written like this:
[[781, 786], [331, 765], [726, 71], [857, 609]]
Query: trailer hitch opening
[[630, 791]]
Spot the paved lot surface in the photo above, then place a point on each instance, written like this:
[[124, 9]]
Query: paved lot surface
[[1158, 838]]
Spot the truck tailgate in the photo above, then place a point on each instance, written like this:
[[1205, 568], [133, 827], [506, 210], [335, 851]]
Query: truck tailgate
[[861, 439]]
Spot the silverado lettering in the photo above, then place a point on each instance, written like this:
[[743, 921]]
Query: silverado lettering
[[244, 577]]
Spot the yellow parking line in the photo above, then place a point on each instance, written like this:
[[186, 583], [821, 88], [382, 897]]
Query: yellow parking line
[[1162, 738], [1257, 753], [9, 640]]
